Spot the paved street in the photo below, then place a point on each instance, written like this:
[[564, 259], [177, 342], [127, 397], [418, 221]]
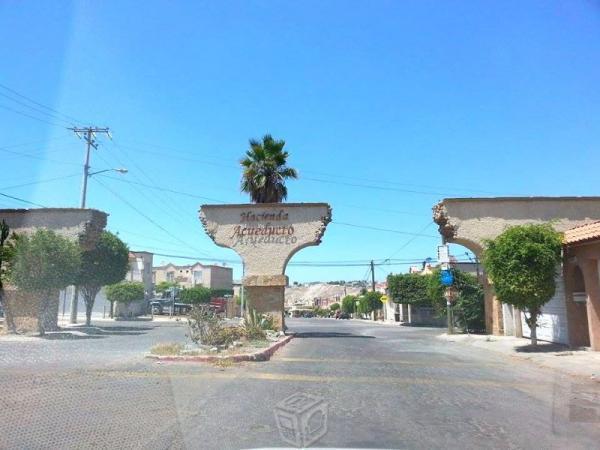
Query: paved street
[[383, 386]]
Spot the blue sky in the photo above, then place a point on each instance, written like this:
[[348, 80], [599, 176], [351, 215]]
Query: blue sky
[[386, 107]]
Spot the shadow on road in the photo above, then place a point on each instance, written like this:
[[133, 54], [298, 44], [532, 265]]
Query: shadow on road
[[60, 336], [332, 334], [95, 331], [542, 348]]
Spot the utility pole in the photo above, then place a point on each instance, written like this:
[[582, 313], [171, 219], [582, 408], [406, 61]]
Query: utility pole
[[372, 276], [89, 135]]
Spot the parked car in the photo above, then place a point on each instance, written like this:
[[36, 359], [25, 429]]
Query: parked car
[[344, 316], [163, 306]]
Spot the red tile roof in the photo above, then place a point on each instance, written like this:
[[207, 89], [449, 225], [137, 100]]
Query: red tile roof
[[582, 233]]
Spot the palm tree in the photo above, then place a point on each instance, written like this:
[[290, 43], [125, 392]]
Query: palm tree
[[265, 171]]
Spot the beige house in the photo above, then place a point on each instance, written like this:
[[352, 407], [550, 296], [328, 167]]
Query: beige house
[[140, 269], [210, 276]]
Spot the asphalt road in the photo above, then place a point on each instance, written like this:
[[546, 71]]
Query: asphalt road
[[378, 387]]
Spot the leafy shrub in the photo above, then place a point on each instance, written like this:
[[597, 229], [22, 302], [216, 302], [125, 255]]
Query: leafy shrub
[[195, 295], [255, 324], [409, 288], [522, 264], [349, 304], [125, 291], [469, 306], [204, 325], [334, 306]]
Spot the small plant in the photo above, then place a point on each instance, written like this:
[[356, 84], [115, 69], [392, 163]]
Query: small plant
[[167, 348], [204, 325], [255, 325]]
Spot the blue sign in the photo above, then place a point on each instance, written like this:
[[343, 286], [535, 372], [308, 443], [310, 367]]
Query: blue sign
[[447, 277]]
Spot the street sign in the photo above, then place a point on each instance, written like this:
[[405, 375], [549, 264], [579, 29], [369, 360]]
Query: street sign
[[443, 254], [446, 277], [384, 298]]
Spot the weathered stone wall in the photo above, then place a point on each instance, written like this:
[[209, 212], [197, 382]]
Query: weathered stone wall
[[81, 225]]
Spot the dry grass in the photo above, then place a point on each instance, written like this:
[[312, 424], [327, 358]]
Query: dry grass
[[167, 348]]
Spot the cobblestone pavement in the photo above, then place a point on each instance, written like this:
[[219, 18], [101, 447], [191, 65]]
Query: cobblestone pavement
[[377, 386]]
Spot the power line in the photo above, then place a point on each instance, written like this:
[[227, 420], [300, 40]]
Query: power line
[[52, 116], [143, 214], [22, 200], [34, 156], [31, 117], [39, 104], [170, 202], [47, 180], [162, 188], [367, 227], [408, 242]]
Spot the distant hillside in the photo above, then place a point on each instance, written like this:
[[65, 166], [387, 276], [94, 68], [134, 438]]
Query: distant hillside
[[306, 294]]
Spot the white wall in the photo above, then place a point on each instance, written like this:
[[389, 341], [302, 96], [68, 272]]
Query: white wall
[[552, 324]]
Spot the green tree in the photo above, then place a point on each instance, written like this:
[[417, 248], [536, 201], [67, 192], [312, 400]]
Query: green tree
[[409, 288], [522, 265], [334, 306], [107, 263], [373, 301], [165, 286], [221, 292], [124, 292], [42, 264], [469, 304], [265, 171], [349, 304], [196, 295]]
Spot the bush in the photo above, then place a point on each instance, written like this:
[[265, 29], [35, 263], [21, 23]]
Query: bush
[[349, 304], [469, 306], [204, 325], [125, 292], [334, 306], [522, 264], [195, 295], [255, 324], [221, 292], [409, 288]]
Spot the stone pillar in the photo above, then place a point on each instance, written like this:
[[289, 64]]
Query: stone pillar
[[266, 236], [266, 294], [591, 277]]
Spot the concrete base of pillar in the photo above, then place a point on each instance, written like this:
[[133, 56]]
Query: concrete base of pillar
[[267, 300]]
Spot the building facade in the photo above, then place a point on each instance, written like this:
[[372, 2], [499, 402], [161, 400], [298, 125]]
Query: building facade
[[210, 276]]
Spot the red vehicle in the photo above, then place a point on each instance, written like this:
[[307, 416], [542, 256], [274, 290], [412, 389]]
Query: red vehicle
[[218, 304]]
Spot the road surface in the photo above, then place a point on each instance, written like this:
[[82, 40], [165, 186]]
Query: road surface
[[380, 386]]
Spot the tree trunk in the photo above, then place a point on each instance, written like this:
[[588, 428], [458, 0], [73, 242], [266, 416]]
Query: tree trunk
[[42, 307], [532, 324], [111, 309], [89, 297], [9, 323]]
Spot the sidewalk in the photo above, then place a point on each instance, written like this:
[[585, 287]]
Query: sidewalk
[[580, 363]]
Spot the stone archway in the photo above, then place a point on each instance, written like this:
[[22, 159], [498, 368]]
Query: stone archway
[[470, 221], [266, 236]]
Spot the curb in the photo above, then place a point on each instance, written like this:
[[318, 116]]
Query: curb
[[522, 357], [261, 355]]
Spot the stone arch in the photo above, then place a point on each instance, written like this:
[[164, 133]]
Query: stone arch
[[470, 221]]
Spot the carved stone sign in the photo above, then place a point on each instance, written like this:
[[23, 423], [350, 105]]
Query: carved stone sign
[[266, 236]]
